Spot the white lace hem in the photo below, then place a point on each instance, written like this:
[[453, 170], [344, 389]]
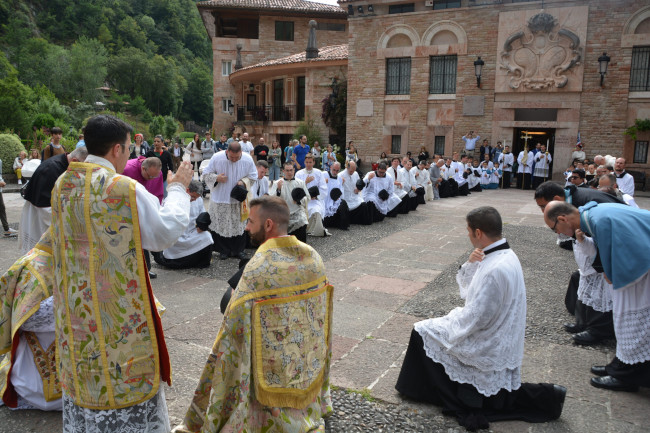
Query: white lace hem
[[226, 219], [633, 336], [595, 292], [487, 383]]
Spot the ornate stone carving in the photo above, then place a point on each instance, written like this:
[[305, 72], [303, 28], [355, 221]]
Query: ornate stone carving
[[539, 55]]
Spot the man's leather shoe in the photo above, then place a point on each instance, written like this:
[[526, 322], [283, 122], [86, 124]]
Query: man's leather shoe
[[585, 338], [612, 384], [152, 275], [223, 256], [599, 370], [573, 328], [242, 256], [560, 395]]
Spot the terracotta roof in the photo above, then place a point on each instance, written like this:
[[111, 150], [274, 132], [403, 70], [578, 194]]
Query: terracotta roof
[[275, 5], [331, 52]]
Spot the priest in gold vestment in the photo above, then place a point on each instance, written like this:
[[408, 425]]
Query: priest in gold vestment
[[269, 366]]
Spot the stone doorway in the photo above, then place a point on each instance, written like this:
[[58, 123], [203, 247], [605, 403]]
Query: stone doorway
[[544, 136]]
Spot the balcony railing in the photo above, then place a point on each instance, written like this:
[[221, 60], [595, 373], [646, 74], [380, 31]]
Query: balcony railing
[[274, 113]]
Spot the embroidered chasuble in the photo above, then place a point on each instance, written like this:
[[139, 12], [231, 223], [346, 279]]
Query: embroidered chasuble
[[22, 288], [110, 347], [269, 366]]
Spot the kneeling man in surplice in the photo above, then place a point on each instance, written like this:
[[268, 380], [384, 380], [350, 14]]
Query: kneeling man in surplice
[[469, 361], [269, 366]]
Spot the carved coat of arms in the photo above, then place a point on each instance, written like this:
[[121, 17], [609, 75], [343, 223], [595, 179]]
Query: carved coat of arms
[[538, 56]]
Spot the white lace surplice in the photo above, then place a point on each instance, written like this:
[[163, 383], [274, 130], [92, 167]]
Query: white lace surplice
[[593, 289], [482, 343], [631, 311], [150, 416]]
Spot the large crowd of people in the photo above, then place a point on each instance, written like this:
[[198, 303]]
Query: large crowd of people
[[85, 335]]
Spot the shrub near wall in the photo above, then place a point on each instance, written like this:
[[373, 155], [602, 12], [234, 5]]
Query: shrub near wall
[[10, 147]]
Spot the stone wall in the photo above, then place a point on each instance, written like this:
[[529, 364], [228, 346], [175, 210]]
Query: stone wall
[[599, 114]]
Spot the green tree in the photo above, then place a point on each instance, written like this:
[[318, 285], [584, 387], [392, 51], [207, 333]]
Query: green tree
[[170, 127], [16, 100], [334, 111], [157, 125], [10, 147], [308, 127], [88, 60], [197, 100], [105, 37]]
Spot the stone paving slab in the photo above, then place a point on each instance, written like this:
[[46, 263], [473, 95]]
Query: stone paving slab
[[356, 321], [393, 286], [365, 364]]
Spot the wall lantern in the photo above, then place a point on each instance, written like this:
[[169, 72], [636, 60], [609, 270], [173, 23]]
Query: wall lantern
[[603, 61], [230, 107], [371, 9], [478, 68], [360, 9], [251, 87]]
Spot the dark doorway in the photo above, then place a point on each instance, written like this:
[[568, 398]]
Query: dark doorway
[[536, 135]]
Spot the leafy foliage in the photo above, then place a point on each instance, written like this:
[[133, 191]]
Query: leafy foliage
[[309, 128], [155, 51], [640, 125], [335, 108], [10, 147]]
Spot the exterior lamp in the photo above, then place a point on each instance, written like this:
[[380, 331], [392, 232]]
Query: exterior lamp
[[230, 107], [478, 68], [603, 61]]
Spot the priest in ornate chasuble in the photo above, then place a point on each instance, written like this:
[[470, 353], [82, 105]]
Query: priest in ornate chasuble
[[28, 377], [269, 366], [469, 361], [110, 348], [228, 216]]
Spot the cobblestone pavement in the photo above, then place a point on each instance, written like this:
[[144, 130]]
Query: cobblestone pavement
[[388, 276]]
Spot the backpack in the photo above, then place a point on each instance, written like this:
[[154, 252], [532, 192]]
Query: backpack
[[51, 151]]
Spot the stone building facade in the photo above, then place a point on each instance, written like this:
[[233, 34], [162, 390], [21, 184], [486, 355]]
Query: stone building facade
[[266, 30], [412, 77], [412, 82]]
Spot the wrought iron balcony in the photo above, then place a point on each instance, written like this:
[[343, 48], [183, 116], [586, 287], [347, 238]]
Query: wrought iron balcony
[[273, 113]]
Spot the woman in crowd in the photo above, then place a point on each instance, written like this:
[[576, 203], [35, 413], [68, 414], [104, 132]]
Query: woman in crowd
[[383, 158], [351, 155], [196, 154], [316, 152], [18, 165], [275, 161], [329, 158]]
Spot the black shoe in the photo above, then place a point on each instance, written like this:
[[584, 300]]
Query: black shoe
[[573, 328], [242, 256], [586, 338], [223, 256], [152, 275], [560, 395], [599, 370], [612, 384]]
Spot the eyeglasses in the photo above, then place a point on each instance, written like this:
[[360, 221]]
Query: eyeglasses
[[555, 225]]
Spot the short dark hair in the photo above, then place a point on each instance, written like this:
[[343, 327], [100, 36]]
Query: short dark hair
[[381, 165], [56, 130], [395, 158], [580, 173], [289, 163], [274, 208], [103, 132], [561, 208], [262, 163], [486, 219], [548, 190]]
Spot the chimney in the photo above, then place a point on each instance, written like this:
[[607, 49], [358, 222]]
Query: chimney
[[238, 64], [312, 50]]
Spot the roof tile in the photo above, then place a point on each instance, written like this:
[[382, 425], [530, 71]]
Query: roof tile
[[331, 52], [275, 5]]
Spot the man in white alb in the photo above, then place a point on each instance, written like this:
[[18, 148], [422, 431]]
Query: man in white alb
[[337, 213], [379, 193], [315, 181], [524, 168], [469, 361], [624, 180], [294, 192], [225, 171], [543, 161], [352, 187], [261, 185], [420, 181], [506, 161]]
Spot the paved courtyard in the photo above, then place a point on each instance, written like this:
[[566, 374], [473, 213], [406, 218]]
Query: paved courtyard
[[386, 277]]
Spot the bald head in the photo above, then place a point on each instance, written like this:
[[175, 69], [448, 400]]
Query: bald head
[[352, 167], [562, 217]]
